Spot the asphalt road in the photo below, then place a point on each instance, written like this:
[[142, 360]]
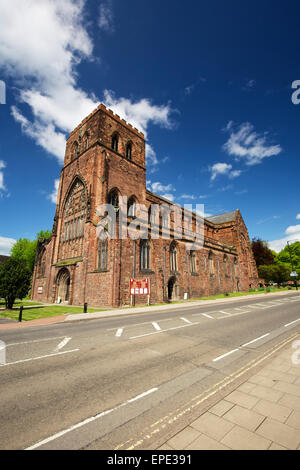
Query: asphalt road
[[132, 382]]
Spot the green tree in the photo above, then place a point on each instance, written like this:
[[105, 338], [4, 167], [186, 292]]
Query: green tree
[[261, 252], [15, 280], [290, 255], [25, 249], [277, 273]]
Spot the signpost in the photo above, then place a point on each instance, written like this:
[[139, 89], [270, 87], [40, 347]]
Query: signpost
[[139, 287]]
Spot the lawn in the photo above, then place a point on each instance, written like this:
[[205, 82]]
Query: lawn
[[44, 312]]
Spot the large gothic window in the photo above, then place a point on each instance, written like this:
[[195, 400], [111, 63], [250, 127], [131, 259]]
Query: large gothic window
[[75, 212]]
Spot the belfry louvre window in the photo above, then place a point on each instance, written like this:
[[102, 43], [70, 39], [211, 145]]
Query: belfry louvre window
[[115, 142], [145, 255], [75, 212], [129, 151], [131, 207], [102, 253], [173, 257]]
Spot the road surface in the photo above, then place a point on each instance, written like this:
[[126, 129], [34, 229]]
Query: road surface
[[132, 382]]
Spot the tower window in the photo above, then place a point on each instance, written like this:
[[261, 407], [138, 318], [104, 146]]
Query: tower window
[[115, 142], [113, 199], [129, 151], [131, 207]]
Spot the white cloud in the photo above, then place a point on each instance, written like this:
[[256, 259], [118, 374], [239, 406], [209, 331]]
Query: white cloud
[[53, 195], [298, 216], [160, 188], [5, 245], [249, 85], [223, 169], [292, 234], [140, 113], [188, 196], [41, 45], [168, 196], [245, 143], [106, 16], [268, 219], [2, 166]]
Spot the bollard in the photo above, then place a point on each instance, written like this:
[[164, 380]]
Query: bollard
[[85, 307], [20, 313]]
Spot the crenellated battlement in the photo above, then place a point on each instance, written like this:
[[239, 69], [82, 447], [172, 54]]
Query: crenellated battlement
[[108, 111]]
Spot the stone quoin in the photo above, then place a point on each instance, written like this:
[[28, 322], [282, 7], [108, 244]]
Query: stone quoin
[[105, 161]]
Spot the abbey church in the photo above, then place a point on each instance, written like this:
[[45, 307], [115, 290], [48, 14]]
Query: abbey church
[[105, 161]]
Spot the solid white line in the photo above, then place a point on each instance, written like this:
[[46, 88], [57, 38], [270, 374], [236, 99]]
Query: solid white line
[[208, 316], [186, 320], [62, 344], [89, 420], [39, 357], [163, 331], [119, 332], [256, 339], [156, 326], [224, 355], [288, 324]]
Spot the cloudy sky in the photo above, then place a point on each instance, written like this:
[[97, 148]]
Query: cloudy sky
[[209, 83]]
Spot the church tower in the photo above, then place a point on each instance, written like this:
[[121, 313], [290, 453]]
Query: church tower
[[104, 160]]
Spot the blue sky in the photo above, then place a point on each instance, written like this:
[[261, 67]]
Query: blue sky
[[210, 84]]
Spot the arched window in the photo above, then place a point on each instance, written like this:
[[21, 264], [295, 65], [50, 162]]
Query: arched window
[[75, 150], [115, 142], [129, 151], [42, 263], [75, 212], [193, 261], [102, 252], [173, 257], [131, 207], [113, 199], [145, 255], [211, 263], [86, 141]]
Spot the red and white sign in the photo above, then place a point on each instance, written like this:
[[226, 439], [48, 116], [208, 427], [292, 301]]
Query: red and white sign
[[139, 287], [40, 290]]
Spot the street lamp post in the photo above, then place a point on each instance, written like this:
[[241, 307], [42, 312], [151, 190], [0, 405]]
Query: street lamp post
[[289, 248]]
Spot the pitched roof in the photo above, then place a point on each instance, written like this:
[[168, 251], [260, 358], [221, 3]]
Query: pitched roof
[[222, 218]]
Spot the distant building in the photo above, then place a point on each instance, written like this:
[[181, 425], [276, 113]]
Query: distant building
[[104, 161]]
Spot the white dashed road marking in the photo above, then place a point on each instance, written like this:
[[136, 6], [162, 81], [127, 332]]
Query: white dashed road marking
[[156, 326]]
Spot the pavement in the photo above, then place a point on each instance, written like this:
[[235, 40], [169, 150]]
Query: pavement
[[263, 413]]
